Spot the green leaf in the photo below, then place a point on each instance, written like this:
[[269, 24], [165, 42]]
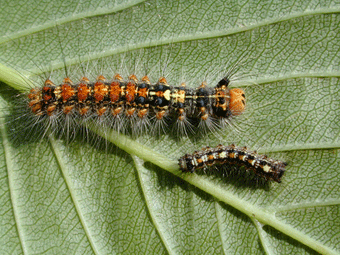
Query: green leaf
[[127, 195]]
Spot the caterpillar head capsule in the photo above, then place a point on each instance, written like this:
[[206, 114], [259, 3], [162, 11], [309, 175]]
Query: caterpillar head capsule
[[237, 101]]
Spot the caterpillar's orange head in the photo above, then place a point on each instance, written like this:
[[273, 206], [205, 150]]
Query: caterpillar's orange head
[[237, 101]]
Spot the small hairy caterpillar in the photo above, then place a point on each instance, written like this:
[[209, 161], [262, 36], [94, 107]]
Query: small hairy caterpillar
[[267, 168]]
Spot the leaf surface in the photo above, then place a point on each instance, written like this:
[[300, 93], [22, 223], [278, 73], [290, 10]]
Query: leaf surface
[[115, 197]]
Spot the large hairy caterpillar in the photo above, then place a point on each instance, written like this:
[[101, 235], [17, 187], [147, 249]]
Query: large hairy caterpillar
[[136, 101]]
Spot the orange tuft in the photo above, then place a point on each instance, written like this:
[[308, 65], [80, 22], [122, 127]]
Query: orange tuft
[[101, 111], [133, 78], [68, 80], [146, 79], [116, 111], [143, 92], [160, 115], [67, 109], [162, 80], [48, 82], [142, 113], [66, 92], [85, 79], [101, 78], [130, 91], [100, 91], [84, 110], [50, 109], [118, 77], [129, 112], [83, 92], [115, 91]]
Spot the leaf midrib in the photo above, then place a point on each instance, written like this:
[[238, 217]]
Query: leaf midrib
[[263, 215]]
